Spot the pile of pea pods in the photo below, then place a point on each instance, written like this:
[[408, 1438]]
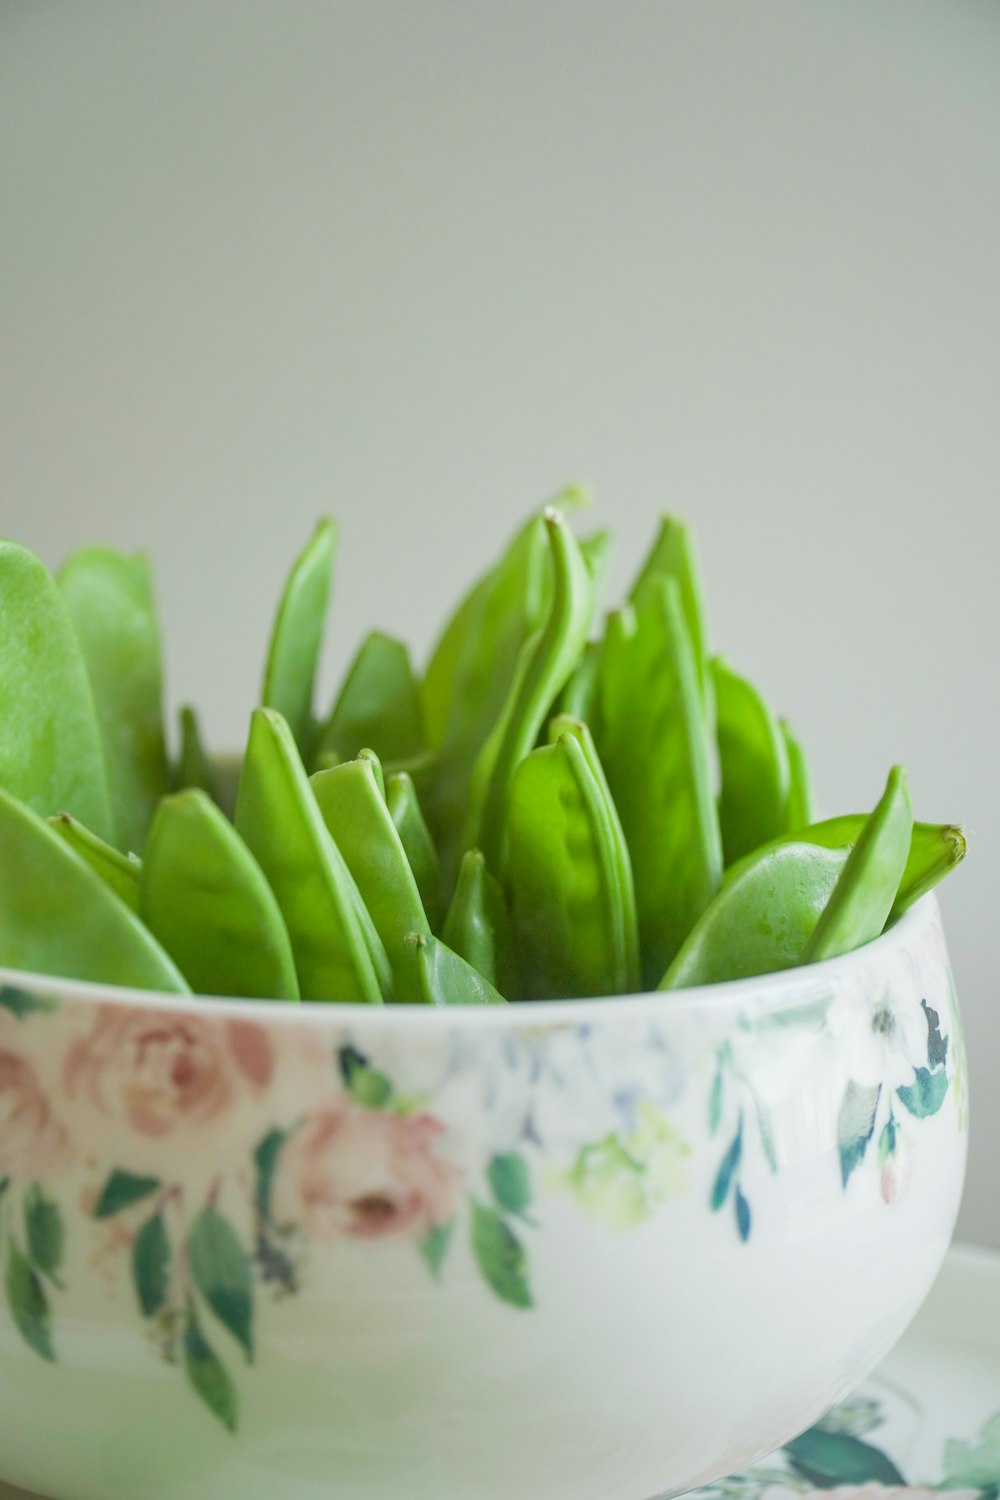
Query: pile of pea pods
[[561, 805]]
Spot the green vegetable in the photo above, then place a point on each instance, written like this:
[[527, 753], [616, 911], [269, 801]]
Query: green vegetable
[[799, 812], [109, 598], [57, 916], [477, 926], [753, 805], [51, 756], [195, 770], [297, 636], [672, 556], [119, 872], [279, 820], [205, 898], [445, 978], [378, 705], [405, 811]]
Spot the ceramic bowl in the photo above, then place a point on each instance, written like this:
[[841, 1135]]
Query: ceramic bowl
[[565, 1251]]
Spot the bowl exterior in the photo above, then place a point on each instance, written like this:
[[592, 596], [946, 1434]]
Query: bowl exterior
[[578, 1253]]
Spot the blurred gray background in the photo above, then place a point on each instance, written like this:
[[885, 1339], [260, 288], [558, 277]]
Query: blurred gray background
[[417, 264]]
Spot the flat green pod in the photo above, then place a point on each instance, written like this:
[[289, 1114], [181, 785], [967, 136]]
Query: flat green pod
[[477, 926], [109, 598], [120, 872], [580, 698], [799, 810], [278, 818], [672, 555], [57, 916], [206, 900], [863, 900], [194, 770], [445, 978], [355, 812], [378, 705], [596, 550], [51, 755], [753, 759], [762, 920], [297, 635], [655, 750], [405, 811]]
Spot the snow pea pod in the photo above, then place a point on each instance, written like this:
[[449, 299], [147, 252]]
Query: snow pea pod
[[297, 635], [546, 663], [860, 906], [655, 750], [406, 813], [194, 770], [378, 704], [119, 872], [477, 926], [206, 900], [354, 810], [580, 698], [51, 756], [762, 920], [568, 874], [445, 978], [109, 598], [672, 556], [57, 916], [753, 804], [595, 550], [799, 811], [279, 820]]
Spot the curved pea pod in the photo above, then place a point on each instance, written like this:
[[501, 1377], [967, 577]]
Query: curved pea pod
[[359, 821], [378, 705], [580, 698], [422, 856], [297, 635], [545, 667], [863, 899], [51, 756], [337, 955], [205, 899], [57, 916], [753, 803], [194, 770], [799, 811], [477, 926], [656, 753], [569, 876], [119, 872], [595, 550], [763, 919], [446, 979], [109, 598], [672, 556]]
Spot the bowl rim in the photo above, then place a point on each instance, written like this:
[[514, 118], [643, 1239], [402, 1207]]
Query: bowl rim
[[761, 993]]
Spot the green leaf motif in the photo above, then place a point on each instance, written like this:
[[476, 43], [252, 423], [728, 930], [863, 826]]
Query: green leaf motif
[[887, 1141], [500, 1256], [831, 1459], [265, 1161], [926, 1094], [151, 1258], [46, 1234], [744, 1218], [855, 1126], [715, 1100], [370, 1088], [223, 1275], [121, 1190], [208, 1375], [510, 1181], [857, 1416], [434, 1245], [974, 1465], [728, 1170], [29, 1306], [937, 1045], [23, 1003]]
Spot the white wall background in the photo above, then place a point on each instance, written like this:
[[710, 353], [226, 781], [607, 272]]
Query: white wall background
[[418, 263]]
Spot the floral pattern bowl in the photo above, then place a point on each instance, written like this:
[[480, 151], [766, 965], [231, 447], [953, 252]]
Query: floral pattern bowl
[[567, 1251]]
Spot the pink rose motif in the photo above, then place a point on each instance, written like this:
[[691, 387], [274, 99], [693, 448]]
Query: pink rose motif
[[354, 1171], [895, 1178], [33, 1144]]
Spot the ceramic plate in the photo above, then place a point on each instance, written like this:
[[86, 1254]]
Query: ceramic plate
[[928, 1421]]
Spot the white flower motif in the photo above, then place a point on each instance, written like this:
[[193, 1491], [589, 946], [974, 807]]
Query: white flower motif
[[879, 1041]]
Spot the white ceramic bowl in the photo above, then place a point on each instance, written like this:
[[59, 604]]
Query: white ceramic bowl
[[597, 1250]]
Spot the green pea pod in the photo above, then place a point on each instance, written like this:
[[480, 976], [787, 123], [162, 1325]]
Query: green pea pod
[[860, 906], [51, 756], [672, 556], [445, 978], [477, 926], [406, 813], [57, 916], [195, 770], [753, 805], [376, 769], [278, 819], [378, 704], [109, 598], [763, 919], [119, 872], [596, 552], [205, 898], [297, 635], [580, 698], [799, 812], [355, 812], [547, 661], [655, 750], [569, 876]]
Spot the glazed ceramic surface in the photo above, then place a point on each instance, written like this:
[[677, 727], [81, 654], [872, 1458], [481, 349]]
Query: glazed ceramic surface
[[585, 1251]]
